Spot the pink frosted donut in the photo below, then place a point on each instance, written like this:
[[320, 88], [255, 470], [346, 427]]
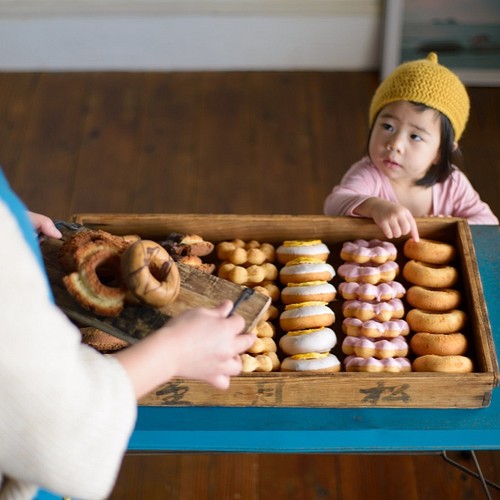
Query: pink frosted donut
[[373, 365], [311, 362], [290, 250], [363, 251], [305, 315], [309, 291], [383, 348], [373, 329], [305, 269], [312, 340], [381, 311], [369, 273], [366, 291]]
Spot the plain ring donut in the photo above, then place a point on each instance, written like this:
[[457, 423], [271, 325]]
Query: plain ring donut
[[442, 344], [436, 322], [443, 364], [150, 273], [430, 275], [429, 251], [432, 299]]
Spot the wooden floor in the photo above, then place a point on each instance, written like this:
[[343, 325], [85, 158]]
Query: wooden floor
[[235, 142]]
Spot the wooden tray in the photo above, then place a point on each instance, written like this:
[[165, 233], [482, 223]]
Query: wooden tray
[[341, 390]]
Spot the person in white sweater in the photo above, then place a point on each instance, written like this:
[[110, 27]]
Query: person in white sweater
[[67, 411]]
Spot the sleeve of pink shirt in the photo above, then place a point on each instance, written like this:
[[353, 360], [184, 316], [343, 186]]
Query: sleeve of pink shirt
[[457, 197], [360, 182]]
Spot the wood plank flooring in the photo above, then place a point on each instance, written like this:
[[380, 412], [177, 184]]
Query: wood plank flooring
[[228, 142]]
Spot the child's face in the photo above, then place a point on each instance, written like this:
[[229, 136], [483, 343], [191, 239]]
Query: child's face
[[405, 141]]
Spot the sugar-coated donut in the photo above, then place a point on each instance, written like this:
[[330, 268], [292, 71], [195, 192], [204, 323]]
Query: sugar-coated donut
[[304, 341], [374, 365], [377, 348], [429, 275], [369, 273], [303, 269], [150, 273], [444, 364], [442, 344], [429, 251], [381, 311], [421, 320], [374, 329], [309, 291], [433, 299], [311, 362], [293, 249], [363, 251], [366, 291], [305, 315]]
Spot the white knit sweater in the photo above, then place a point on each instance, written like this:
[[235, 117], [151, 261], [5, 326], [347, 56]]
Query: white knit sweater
[[66, 411]]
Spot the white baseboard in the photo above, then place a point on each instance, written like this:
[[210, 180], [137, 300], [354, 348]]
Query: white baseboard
[[76, 38]]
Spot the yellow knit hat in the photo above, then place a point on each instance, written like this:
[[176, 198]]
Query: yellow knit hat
[[427, 82]]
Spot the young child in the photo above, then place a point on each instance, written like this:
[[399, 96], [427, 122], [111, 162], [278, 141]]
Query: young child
[[417, 116], [67, 412]]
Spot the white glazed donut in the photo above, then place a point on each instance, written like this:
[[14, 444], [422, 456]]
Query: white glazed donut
[[311, 362], [290, 250], [369, 273], [303, 269], [304, 341], [363, 251], [366, 291], [305, 315], [381, 311], [309, 291]]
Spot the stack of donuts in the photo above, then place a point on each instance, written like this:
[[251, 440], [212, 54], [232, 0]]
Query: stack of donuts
[[306, 319], [252, 264], [435, 318], [375, 331]]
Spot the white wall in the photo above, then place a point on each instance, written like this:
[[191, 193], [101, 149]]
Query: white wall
[[189, 35]]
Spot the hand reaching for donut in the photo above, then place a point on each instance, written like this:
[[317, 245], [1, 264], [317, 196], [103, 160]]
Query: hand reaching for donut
[[44, 225], [394, 220], [202, 344]]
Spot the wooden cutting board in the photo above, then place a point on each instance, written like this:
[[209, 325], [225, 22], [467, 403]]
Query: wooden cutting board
[[137, 321]]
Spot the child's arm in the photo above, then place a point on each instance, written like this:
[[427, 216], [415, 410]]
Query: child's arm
[[394, 220], [202, 344], [44, 225]]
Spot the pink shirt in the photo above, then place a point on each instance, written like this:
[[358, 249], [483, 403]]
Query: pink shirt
[[454, 197]]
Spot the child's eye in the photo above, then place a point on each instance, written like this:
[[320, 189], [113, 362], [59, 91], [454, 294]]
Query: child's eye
[[416, 137], [387, 126]]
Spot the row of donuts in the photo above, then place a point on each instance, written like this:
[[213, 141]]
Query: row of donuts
[[307, 317], [373, 311], [435, 317]]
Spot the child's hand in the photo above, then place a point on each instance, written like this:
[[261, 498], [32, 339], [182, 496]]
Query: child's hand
[[394, 220], [44, 225]]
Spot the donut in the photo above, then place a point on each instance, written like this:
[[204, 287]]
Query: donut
[[443, 364], [382, 348], [97, 284], [186, 245], [306, 315], [421, 320], [429, 251], [432, 299], [369, 273], [366, 291], [303, 269], [374, 365], [290, 250], [363, 251], [373, 329], [309, 291], [442, 344], [430, 275], [381, 311], [266, 362], [150, 273], [263, 344], [311, 340], [102, 341], [311, 362]]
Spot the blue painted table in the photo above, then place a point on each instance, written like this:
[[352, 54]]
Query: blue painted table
[[320, 430]]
